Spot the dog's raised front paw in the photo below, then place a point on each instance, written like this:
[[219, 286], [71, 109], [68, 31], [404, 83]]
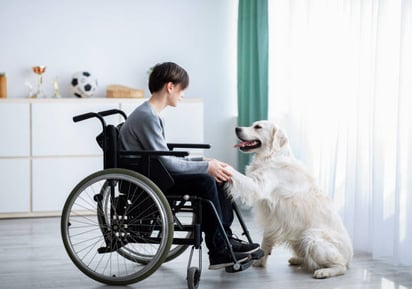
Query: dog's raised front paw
[[228, 187]]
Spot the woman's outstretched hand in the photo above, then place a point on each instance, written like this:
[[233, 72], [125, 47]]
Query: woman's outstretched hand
[[219, 171]]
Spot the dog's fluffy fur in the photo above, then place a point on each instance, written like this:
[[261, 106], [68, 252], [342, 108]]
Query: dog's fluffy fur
[[289, 204]]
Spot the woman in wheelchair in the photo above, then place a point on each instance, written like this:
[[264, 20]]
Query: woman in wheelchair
[[143, 130]]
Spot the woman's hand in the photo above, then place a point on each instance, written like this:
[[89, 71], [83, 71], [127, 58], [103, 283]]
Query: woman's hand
[[218, 170]]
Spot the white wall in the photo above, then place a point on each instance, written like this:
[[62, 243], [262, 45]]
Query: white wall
[[118, 41]]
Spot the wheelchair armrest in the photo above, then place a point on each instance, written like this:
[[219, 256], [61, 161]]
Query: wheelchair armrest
[[172, 146], [136, 154]]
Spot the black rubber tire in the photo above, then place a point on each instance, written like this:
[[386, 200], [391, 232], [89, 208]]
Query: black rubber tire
[[193, 278], [80, 226]]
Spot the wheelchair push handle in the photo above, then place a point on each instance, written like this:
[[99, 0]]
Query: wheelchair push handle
[[88, 115], [85, 116], [100, 115], [113, 111]]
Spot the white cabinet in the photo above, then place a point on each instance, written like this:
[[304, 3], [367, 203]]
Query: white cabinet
[[44, 154], [14, 129], [54, 133], [64, 152], [15, 185], [14, 157], [54, 179]]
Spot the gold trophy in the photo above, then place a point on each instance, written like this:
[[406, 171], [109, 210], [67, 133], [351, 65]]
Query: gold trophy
[[39, 70]]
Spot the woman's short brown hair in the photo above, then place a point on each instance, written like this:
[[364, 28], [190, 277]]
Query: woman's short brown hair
[[167, 72]]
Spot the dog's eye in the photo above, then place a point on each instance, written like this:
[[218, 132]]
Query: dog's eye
[[257, 127]]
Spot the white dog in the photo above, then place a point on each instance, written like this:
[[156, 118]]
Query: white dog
[[289, 204]]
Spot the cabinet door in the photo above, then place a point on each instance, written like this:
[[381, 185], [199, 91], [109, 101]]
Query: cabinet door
[[15, 129], [15, 185], [55, 134], [55, 178]]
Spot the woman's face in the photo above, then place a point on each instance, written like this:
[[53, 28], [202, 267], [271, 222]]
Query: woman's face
[[176, 94]]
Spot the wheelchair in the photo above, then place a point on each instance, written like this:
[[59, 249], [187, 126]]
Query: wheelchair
[[117, 225]]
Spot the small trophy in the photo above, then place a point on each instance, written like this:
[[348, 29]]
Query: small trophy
[[39, 70], [56, 89]]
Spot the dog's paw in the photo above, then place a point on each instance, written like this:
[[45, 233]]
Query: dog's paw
[[329, 272], [228, 188], [230, 169], [322, 273], [260, 263], [295, 261]]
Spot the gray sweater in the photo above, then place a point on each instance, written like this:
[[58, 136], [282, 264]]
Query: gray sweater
[[143, 130]]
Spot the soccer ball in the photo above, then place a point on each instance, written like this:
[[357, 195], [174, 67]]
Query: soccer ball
[[83, 84]]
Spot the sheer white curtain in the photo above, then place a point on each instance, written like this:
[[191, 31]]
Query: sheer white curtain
[[341, 85]]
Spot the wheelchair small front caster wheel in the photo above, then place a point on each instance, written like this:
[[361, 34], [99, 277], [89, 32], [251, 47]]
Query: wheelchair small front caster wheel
[[236, 267], [193, 278]]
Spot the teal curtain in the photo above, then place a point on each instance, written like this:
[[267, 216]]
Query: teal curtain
[[252, 63]]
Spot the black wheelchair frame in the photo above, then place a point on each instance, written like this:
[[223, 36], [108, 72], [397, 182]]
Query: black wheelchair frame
[[118, 226]]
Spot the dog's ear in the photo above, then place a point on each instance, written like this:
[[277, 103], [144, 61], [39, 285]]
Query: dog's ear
[[279, 140]]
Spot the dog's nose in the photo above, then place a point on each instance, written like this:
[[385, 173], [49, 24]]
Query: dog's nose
[[238, 129]]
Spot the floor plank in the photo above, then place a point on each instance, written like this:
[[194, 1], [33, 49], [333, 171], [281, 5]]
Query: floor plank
[[32, 256]]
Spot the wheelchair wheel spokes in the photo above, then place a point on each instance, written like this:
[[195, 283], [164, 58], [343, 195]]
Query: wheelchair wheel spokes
[[111, 239], [145, 253]]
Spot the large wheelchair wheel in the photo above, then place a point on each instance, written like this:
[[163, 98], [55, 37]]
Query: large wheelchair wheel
[[111, 220]]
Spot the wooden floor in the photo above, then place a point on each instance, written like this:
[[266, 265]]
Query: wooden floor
[[32, 256]]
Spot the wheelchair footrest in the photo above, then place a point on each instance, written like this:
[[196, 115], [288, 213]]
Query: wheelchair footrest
[[238, 267], [257, 255]]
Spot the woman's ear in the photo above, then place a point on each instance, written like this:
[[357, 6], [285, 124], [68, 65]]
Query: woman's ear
[[169, 86]]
